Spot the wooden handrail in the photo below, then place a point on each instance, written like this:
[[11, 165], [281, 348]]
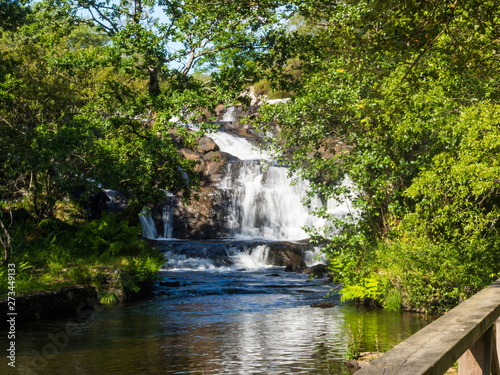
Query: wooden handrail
[[468, 328]]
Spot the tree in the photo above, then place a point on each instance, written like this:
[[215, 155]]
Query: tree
[[386, 83], [87, 95], [12, 14]]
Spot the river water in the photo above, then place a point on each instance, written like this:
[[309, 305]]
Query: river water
[[220, 307], [216, 320]]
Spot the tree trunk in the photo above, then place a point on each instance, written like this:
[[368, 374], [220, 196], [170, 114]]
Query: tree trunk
[[153, 86], [5, 240]]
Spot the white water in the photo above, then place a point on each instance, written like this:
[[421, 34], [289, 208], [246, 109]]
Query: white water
[[248, 257], [148, 225], [239, 147], [263, 203], [229, 115], [252, 258]]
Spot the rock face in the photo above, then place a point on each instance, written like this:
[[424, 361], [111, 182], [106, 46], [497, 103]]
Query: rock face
[[285, 254], [202, 217], [212, 165], [206, 145]]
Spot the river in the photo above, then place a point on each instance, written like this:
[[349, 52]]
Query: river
[[214, 321], [221, 306]]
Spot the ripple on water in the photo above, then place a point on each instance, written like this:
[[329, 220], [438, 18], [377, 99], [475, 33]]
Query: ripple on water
[[215, 323]]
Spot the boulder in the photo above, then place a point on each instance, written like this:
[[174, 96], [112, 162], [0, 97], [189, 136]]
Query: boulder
[[285, 254], [316, 271], [206, 145], [202, 217], [190, 154]]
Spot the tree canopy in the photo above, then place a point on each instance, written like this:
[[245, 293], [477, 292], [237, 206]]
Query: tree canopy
[[407, 93], [88, 93]]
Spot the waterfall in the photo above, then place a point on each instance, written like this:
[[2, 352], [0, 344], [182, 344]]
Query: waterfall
[[167, 213], [229, 115], [148, 225], [239, 147], [262, 202], [252, 257]]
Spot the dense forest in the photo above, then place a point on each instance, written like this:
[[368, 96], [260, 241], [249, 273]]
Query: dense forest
[[400, 96]]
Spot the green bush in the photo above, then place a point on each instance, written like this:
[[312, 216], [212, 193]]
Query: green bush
[[108, 237], [54, 254], [143, 272]]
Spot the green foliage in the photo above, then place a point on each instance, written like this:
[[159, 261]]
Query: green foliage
[[143, 272], [108, 237], [401, 96], [353, 342], [13, 14], [365, 287], [392, 301], [60, 254], [108, 297]]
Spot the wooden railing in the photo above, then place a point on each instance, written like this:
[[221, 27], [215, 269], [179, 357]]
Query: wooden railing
[[467, 334]]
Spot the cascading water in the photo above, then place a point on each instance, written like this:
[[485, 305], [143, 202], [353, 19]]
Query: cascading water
[[148, 225], [262, 201], [239, 147], [262, 207], [229, 115]]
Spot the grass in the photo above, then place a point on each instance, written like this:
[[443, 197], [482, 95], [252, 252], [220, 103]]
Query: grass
[[55, 254], [58, 275], [353, 342]]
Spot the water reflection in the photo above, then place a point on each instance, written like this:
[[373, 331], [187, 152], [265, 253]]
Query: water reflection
[[200, 329]]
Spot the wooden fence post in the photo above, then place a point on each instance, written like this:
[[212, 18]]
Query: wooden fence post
[[478, 359], [495, 360], [468, 328]]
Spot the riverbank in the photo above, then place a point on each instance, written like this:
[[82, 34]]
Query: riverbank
[[103, 285]]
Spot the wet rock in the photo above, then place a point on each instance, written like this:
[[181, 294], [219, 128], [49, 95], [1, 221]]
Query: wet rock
[[285, 254], [206, 145], [323, 305], [316, 271], [218, 254], [202, 217], [212, 165]]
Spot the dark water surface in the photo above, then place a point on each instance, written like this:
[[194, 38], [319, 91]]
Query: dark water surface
[[221, 321]]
